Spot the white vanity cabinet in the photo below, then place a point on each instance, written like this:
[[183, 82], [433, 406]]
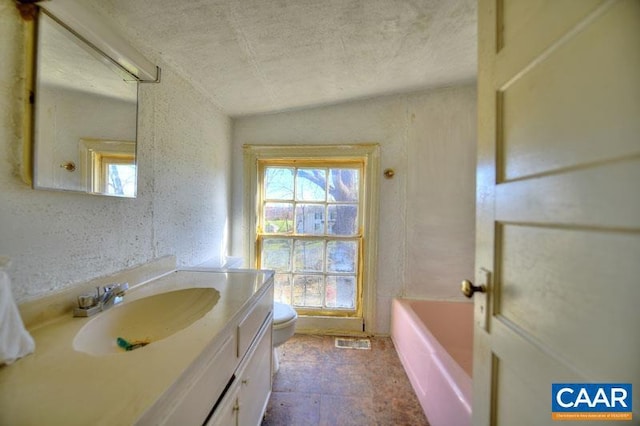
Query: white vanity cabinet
[[233, 385], [246, 399]]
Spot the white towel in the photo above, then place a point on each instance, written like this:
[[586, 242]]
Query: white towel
[[15, 340]]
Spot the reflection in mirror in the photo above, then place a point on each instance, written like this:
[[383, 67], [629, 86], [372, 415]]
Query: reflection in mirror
[[85, 117], [108, 167]]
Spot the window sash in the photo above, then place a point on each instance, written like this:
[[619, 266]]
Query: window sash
[[290, 271], [261, 235]]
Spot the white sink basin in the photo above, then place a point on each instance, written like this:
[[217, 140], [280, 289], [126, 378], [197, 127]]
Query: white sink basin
[[145, 320]]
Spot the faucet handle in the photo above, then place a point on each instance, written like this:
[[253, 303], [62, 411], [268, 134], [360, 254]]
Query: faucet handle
[[122, 287], [109, 287], [86, 301], [117, 288]]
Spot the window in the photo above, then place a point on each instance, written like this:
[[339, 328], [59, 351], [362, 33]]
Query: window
[[310, 232], [311, 215]]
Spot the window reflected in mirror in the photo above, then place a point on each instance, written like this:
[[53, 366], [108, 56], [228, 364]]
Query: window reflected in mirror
[[109, 167]]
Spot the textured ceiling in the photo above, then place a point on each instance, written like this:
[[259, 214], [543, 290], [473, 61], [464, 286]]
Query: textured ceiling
[[257, 56]]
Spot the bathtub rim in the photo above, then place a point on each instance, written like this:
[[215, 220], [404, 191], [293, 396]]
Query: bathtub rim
[[461, 382]]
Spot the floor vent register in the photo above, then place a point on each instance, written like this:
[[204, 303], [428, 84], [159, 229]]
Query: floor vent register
[[352, 343]]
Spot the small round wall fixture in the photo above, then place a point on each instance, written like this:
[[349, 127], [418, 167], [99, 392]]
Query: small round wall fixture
[[69, 166], [389, 173]]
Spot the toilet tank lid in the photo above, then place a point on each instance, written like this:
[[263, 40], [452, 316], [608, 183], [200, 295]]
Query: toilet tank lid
[[283, 312]]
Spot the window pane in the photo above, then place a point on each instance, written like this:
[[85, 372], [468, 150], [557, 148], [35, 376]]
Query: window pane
[[282, 288], [310, 219], [308, 256], [344, 185], [122, 179], [311, 185], [343, 219], [278, 183], [278, 217], [342, 256], [307, 290], [276, 254], [341, 292]]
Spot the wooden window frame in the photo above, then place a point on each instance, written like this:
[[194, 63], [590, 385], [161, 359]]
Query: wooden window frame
[[369, 154]]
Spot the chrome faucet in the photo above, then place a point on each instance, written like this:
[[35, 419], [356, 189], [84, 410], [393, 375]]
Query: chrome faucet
[[112, 295], [90, 304]]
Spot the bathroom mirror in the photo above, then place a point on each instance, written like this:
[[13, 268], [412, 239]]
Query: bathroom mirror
[[85, 116]]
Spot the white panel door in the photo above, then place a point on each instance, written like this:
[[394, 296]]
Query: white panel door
[[558, 203]]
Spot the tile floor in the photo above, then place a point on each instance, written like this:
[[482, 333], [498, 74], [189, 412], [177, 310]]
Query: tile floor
[[319, 384]]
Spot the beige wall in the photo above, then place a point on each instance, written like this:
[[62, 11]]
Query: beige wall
[[57, 239], [427, 215], [441, 170]]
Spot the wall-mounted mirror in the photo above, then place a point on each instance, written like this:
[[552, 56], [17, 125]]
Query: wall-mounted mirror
[[85, 116]]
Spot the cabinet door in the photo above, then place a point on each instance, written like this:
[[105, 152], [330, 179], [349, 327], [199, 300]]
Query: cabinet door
[[226, 413], [255, 381]]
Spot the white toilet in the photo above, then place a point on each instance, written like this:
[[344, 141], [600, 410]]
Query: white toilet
[[284, 325]]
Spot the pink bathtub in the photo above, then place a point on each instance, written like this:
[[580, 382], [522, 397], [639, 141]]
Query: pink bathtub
[[434, 340]]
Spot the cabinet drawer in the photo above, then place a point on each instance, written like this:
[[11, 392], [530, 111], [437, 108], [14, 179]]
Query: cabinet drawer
[[250, 324], [206, 390]]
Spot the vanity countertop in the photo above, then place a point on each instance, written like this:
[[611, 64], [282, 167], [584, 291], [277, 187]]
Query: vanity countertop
[[59, 385]]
